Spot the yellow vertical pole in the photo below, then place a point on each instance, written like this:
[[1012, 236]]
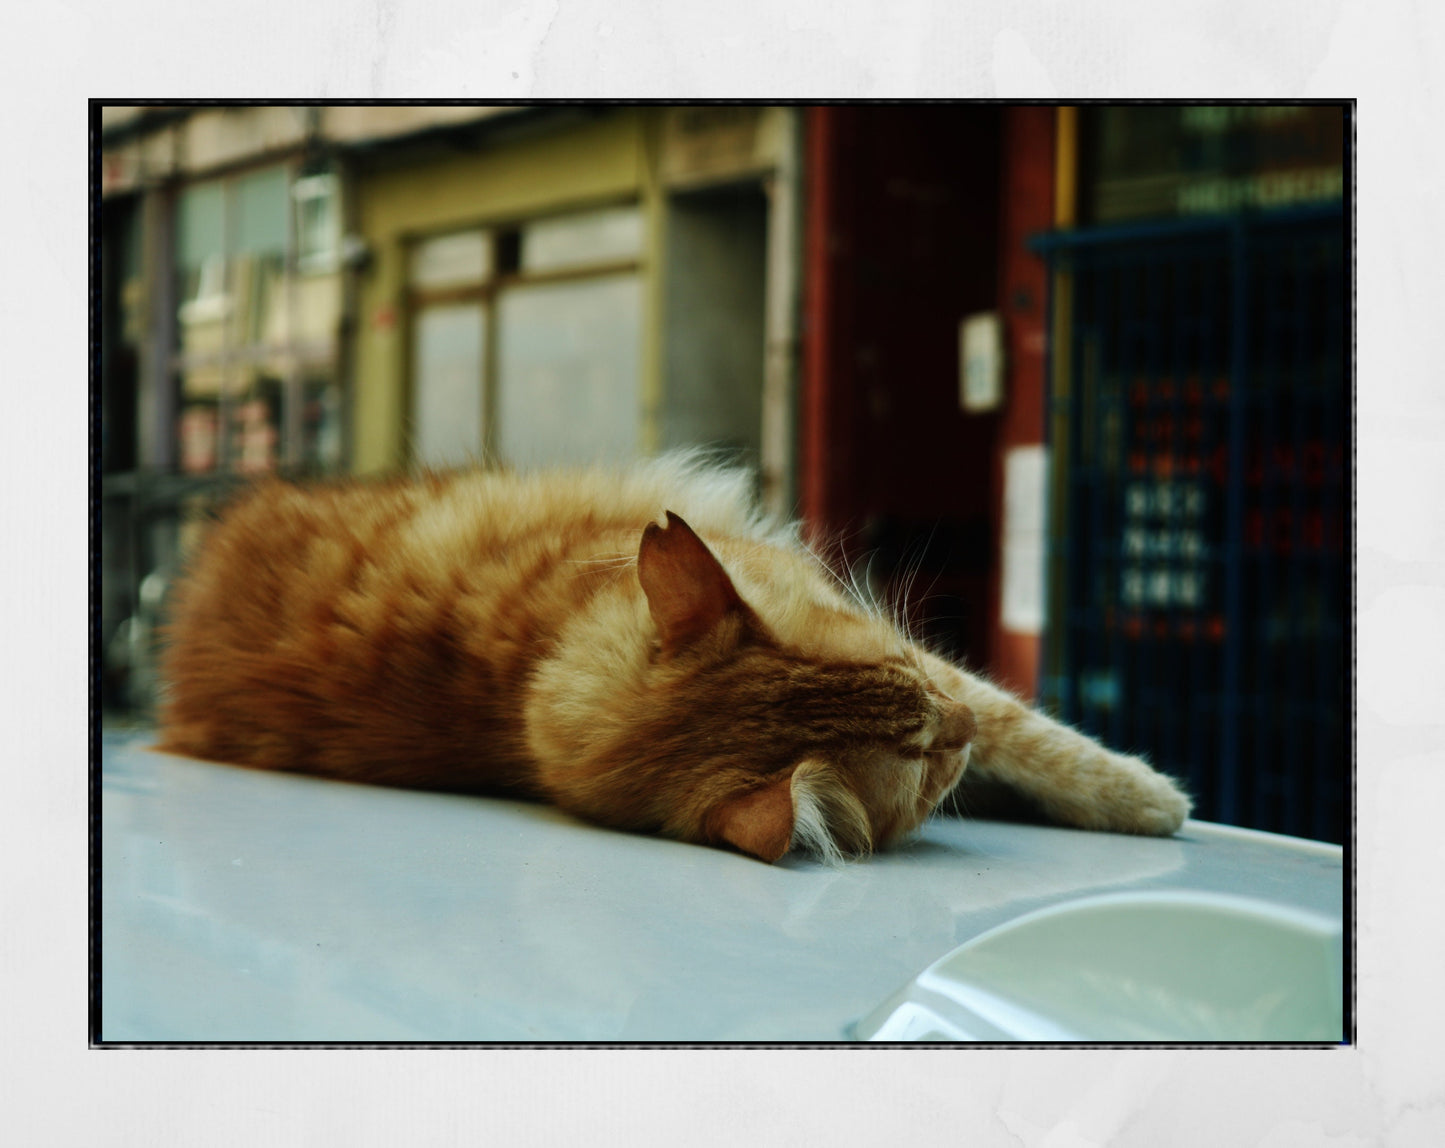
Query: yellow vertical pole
[[1066, 198], [1066, 167], [654, 208], [782, 299]]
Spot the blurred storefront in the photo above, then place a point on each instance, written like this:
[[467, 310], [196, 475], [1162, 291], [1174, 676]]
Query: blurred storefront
[[314, 291], [1199, 405], [223, 313], [1077, 385], [593, 285], [1073, 380]]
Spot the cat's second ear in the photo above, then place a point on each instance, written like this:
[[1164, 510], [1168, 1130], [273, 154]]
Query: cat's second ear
[[687, 589], [759, 822]]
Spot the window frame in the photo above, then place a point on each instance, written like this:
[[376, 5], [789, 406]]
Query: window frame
[[503, 274], [300, 358]]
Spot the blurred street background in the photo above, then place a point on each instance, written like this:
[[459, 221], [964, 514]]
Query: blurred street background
[[1077, 380]]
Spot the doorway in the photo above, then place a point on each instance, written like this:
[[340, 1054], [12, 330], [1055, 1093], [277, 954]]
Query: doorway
[[714, 329]]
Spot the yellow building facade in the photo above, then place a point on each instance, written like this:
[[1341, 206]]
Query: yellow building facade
[[600, 231], [313, 290]]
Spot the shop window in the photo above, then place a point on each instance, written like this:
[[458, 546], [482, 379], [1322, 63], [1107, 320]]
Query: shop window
[[258, 313], [201, 269], [525, 341], [448, 275], [594, 237], [1146, 161], [321, 424], [449, 261], [568, 371], [318, 223], [254, 426], [448, 349]]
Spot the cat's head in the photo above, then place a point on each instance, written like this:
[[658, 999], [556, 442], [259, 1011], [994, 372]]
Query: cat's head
[[785, 721]]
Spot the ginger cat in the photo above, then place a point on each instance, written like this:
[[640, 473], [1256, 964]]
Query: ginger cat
[[641, 648]]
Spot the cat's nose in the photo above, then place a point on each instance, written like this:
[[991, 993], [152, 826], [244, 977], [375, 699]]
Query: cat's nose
[[956, 727]]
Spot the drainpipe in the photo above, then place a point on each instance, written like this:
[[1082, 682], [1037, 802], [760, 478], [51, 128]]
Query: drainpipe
[[819, 296], [782, 300]]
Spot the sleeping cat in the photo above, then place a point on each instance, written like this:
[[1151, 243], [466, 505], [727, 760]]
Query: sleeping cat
[[640, 648]]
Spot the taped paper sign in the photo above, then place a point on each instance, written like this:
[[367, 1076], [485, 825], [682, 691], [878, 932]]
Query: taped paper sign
[[1025, 474]]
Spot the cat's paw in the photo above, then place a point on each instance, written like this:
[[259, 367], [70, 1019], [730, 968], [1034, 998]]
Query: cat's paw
[[1162, 811], [1118, 794], [1136, 798]]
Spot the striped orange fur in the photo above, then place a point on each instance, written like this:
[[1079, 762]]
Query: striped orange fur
[[638, 647]]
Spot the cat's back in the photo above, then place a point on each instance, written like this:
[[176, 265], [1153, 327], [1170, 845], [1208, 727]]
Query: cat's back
[[287, 554], [487, 508], [405, 616], [503, 507], [279, 543]]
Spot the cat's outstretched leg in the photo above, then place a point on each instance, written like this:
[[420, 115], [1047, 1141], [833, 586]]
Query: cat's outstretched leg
[[1066, 777]]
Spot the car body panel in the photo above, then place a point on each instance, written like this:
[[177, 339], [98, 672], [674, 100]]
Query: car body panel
[[239, 906]]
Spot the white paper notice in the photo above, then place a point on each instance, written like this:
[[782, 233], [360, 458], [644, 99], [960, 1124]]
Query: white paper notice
[[1025, 473]]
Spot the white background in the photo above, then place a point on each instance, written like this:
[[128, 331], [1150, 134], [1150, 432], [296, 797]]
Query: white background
[[1388, 53]]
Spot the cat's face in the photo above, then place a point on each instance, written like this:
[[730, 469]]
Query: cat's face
[[829, 736]]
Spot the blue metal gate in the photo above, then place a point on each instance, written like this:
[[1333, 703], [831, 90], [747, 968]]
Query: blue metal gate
[[1198, 538]]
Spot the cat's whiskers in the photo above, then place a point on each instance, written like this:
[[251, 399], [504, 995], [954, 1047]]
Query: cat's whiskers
[[905, 599], [606, 561], [868, 594]]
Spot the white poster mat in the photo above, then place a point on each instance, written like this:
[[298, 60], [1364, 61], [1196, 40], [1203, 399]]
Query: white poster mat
[[1387, 1090]]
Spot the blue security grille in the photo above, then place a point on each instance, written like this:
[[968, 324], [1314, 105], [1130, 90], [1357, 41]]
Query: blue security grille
[[1197, 562]]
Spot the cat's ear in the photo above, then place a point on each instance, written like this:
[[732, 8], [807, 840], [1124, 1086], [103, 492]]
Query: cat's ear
[[687, 589], [758, 822]]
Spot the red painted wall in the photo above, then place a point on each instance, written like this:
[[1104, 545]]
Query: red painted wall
[[901, 243], [1027, 207]]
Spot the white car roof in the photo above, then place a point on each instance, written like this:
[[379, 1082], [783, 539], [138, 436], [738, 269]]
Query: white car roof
[[245, 906]]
